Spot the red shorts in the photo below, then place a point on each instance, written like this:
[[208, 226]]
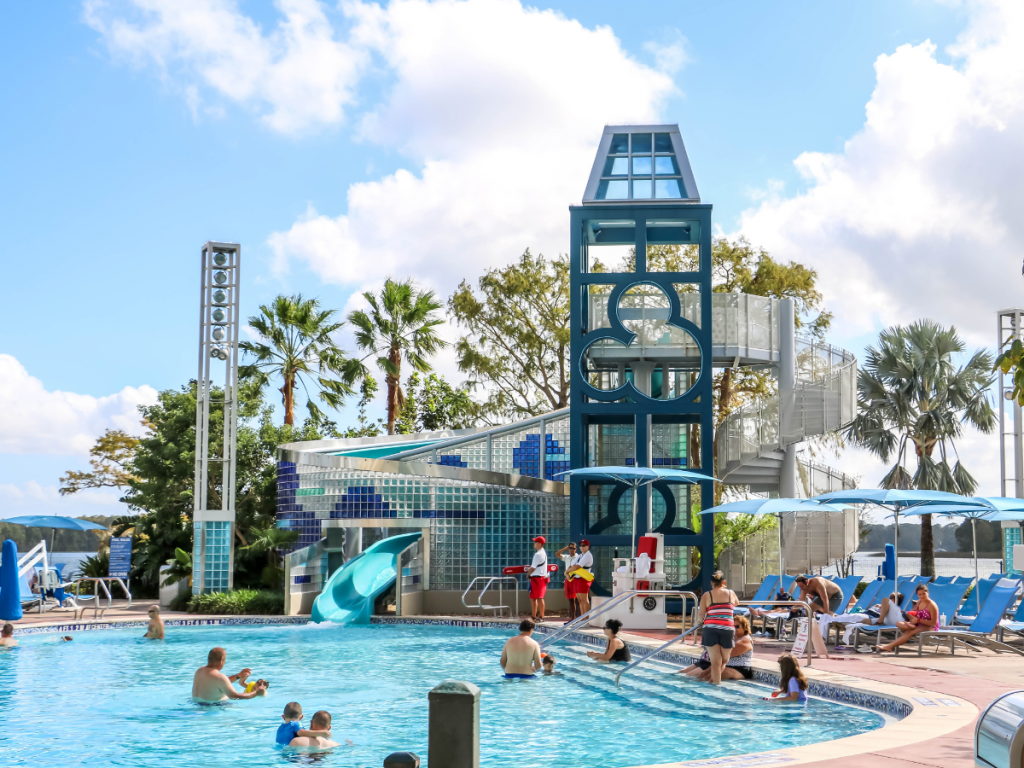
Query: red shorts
[[538, 587], [570, 591], [580, 586]]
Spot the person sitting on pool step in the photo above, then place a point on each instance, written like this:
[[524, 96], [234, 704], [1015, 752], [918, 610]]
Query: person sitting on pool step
[[520, 658], [292, 728], [616, 649], [320, 722], [210, 684]]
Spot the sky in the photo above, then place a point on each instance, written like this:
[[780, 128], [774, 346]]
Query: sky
[[341, 143]]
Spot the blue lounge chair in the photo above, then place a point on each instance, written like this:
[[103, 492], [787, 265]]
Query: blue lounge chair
[[848, 585], [979, 594], [978, 634], [872, 594], [946, 596], [943, 579], [764, 592]]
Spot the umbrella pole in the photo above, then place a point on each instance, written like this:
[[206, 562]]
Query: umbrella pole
[[974, 537], [782, 571], [632, 551], [896, 548]]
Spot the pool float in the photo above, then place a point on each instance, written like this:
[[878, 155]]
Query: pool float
[[511, 570]]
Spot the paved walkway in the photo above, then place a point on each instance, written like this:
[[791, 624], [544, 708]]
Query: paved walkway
[[119, 610]]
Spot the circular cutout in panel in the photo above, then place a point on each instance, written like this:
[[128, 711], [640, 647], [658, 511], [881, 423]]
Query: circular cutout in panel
[[662, 361]]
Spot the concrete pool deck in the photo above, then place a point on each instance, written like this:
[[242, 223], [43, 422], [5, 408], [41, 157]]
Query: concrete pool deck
[[934, 734]]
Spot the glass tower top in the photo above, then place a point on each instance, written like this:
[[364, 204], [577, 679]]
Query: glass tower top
[[641, 163]]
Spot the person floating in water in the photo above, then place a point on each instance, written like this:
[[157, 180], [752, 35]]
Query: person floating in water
[[210, 684], [321, 722], [616, 649], [155, 630], [520, 658], [7, 636], [292, 728], [538, 579]]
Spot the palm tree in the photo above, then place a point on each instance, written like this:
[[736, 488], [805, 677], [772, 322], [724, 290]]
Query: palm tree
[[270, 540], [911, 396], [297, 346], [401, 324]]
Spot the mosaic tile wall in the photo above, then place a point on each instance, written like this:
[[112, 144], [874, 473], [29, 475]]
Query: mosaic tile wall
[[475, 529], [214, 570]]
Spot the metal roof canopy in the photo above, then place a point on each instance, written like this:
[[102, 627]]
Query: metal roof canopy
[[690, 194]]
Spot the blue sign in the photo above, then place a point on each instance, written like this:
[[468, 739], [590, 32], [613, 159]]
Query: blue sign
[[120, 556]]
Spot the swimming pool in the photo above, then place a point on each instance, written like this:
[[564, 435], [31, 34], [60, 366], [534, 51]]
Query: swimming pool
[[110, 698]]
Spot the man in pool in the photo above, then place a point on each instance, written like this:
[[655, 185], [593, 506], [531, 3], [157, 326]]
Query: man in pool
[[7, 636], [538, 579], [321, 722], [155, 630], [521, 655], [210, 684]]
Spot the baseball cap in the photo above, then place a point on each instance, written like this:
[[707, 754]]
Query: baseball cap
[[541, 539], [584, 543]]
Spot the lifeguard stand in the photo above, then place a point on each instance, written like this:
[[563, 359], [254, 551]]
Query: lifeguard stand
[[643, 611]]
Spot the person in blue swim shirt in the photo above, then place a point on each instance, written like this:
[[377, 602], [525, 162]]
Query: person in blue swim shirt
[[292, 728], [521, 655]]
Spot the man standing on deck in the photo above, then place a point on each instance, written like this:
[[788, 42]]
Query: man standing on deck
[[581, 586], [538, 579]]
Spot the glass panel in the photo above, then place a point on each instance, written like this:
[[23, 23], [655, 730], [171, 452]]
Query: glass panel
[[616, 166], [663, 143], [613, 190], [668, 189], [607, 232], [597, 314], [611, 258], [665, 166], [620, 144], [641, 189], [641, 143], [642, 166], [671, 232]]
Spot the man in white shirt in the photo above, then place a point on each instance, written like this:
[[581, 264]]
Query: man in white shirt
[[538, 579], [581, 586], [569, 557]]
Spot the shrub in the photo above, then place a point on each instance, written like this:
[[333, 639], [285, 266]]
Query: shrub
[[239, 602]]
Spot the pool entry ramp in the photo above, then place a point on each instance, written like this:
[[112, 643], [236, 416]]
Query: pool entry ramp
[[348, 596]]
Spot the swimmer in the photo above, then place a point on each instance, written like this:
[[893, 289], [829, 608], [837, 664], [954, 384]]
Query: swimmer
[[549, 664], [250, 687], [155, 630], [321, 722], [210, 684], [67, 639], [292, 728], [521, 655], [7, 636]]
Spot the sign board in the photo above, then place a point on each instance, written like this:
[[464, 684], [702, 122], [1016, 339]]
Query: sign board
[[120, 556], [806, 629]]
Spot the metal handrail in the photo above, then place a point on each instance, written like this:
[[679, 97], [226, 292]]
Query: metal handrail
[[98, 612], [490, 580], [656, 651], [605, 607]]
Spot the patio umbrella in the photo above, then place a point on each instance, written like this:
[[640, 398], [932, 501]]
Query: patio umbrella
[[773, 507], [959, 510], [896, 500], [54, 522], [635, 477], [992, 508]]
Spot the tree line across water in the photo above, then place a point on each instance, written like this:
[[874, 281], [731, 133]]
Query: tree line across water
[[916, 396]]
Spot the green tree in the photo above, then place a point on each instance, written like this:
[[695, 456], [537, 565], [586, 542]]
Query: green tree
[[270, 541], [111, 456], [297, 346], [402, 324], [516, 348], [442, 406], [366, 428], [912, 398]]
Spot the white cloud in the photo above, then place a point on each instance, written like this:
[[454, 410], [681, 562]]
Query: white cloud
[[498, 109], [918, 216], [298, 77], [35, 420], [670, 53]]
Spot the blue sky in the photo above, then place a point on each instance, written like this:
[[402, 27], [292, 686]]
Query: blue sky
[[130, 137]]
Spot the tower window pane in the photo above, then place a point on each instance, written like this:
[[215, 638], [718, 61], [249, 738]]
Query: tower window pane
[[641, 143], [613, 190], [668, 189], [641, 189], [642, 166], [620, 144], [616, 166], [666, 166]]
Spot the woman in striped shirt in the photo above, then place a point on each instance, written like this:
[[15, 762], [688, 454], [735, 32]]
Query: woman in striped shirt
[[719, 634]]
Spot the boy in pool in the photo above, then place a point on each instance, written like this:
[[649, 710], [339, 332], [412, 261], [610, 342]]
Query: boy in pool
[[321, 723], [292, 728], [549, 664], [7, 636]]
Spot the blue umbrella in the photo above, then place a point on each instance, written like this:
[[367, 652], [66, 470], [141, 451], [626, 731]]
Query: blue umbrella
[[54, 522], [772, 507], [635, 477], [896, 499]]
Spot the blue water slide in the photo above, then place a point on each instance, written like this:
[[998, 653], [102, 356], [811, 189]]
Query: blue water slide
[[350, 591]]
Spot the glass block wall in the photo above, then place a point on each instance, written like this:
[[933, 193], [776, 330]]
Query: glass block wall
[[475, 528], [214, 570], [1011, 536]]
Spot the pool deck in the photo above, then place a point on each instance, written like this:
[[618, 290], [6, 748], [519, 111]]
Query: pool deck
[[975, 680]]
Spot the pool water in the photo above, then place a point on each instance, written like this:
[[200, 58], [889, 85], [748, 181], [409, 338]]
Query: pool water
[[111, 698]]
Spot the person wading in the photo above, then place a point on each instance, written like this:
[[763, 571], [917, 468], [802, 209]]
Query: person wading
[[719, 634]]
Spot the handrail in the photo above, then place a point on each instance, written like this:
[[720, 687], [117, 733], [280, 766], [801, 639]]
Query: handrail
[[97, 612], [479, 599], [656, 651], [605, 607]]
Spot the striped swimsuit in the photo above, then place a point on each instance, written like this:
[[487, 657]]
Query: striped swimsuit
[[719, 615]]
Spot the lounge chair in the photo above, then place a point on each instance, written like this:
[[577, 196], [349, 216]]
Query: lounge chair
[[978, 634], [970, 609], [872, 594], [848, 585], [943, 579], [764, 592], [946, 596]]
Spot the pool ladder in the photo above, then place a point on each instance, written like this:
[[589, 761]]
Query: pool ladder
[[480, 599]]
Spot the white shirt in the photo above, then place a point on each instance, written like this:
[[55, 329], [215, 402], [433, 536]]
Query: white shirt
[[570, 560], [586, 560], [540, 564]]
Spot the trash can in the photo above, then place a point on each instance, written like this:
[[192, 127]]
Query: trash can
[[999, 734]]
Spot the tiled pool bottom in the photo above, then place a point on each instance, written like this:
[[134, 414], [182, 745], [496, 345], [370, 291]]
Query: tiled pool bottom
[[128, 703]]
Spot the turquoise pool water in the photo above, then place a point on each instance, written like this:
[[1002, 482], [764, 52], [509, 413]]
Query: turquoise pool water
[[110, 698]]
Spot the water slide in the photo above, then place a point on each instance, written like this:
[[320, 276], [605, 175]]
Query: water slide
[[350, 591]]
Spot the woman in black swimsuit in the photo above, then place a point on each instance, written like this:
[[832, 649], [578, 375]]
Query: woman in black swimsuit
[[616, 650]]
